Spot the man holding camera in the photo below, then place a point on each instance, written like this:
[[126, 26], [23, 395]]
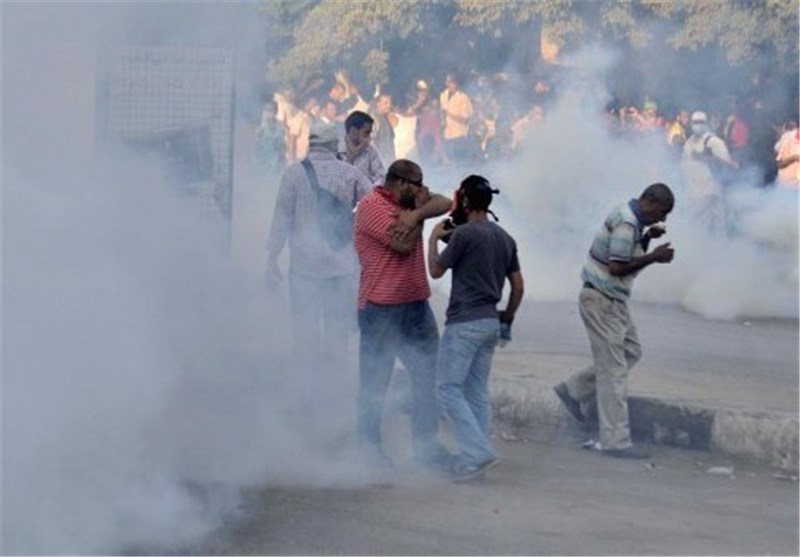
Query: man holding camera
[[618, 253], [481, 256]]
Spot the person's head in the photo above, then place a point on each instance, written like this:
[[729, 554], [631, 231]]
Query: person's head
[[422, 90], [384, 104], [683, 117], [655, 203], [473, 197], [329, 110], [541, 86], [323, 136], [358, 127], [337, 92], [404, 180], [650, 110], [451, 83], [537, 112], [699, 123]]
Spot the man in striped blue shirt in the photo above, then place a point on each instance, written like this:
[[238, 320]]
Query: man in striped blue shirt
[[619, 251]]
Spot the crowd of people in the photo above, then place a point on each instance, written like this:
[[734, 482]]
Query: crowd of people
[[347, 234], [351, 206], [379, 253], [489, 119]]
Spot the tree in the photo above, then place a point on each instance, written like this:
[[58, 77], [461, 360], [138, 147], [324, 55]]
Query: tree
[[744, 30], [328, 34], [332, 31]]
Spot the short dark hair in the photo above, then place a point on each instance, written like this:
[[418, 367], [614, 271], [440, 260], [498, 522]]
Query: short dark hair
[[659, 193], [479, 192], [401, 169], [357, 119]]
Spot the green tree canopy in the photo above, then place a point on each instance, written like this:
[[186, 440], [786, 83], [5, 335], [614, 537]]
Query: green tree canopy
[[320, 35]]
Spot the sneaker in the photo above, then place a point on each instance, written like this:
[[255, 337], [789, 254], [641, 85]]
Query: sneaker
[[572, 405], [472, 472], [627, 452]]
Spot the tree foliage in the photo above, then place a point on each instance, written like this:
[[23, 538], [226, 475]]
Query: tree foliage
[[332, 29], [321, 34], [743, 30]]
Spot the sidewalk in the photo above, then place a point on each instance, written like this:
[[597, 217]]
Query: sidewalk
[[730, 387]]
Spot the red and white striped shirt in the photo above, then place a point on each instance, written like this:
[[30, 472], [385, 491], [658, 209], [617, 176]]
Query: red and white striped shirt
[[387, 277]]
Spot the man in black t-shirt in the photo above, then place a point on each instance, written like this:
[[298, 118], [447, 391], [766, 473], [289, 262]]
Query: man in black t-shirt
[[481, 256]]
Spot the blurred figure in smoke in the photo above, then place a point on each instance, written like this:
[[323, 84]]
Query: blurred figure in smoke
[[787, 156], [385, 123], [429, 125], [346, 96], [678, 131], [481, 256], [394, 316], [357, 149], [649, 119], [295, 125], [328, 112], [271, 142], [456, 111], [522, 126], [705, 156], [737, 132], [618, 253], [321, 275]]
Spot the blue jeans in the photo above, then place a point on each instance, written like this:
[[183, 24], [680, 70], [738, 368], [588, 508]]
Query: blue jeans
[[462, 385], [408, 332]]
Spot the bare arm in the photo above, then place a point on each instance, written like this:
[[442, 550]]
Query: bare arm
[[403, 243], [435, 205], [786, 161], [662, 254], [435, 268], [514, 298]]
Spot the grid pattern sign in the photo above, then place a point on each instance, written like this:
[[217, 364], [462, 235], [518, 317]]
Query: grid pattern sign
[[178, 102]]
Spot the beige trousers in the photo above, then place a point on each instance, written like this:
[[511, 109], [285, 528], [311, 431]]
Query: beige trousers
[[615, 350]]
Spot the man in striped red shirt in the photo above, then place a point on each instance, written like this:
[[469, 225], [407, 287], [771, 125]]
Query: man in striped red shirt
[[393, 312]]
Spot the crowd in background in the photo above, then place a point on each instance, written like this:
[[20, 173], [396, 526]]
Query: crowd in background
[[486, 118]]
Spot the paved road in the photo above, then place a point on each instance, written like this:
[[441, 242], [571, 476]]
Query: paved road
[[751, 364], [543, 500]]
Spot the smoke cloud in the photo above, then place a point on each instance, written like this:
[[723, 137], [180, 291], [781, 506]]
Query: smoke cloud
[[146, 376]]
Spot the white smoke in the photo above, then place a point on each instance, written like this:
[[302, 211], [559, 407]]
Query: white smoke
[[573, 171], [145, 377]]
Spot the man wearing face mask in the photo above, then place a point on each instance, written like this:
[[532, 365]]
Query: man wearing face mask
[[619, 251], [704, 156], [357, 149], [394, 317]]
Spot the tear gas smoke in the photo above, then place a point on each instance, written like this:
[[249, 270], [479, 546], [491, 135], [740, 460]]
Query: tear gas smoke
[[145, 380], [572, 171]]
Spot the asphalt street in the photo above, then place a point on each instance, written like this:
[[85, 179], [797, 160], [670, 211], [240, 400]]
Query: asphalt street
[[744, 364], [542, 500]]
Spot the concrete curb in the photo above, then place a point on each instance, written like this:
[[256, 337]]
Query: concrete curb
[[529, 407]]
